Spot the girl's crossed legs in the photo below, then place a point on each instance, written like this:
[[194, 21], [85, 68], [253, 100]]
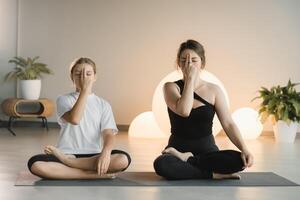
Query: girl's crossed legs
[[57, 165]]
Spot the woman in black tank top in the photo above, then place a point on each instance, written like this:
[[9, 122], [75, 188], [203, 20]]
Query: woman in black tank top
[[193, 133], [191, 152]]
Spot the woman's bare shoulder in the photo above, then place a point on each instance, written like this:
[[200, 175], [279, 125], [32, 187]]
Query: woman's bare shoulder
[[171, 86], [214, 88]]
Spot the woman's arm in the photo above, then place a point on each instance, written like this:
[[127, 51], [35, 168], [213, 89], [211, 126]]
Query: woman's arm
[[74, 115], [230, 127], [182, 104]]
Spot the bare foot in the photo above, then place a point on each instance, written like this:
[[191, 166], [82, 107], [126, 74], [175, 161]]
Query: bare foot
[[65, 158], [174, 152], [226, 176], [56, 152]]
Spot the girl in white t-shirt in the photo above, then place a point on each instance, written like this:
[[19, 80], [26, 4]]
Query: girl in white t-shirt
[[88, 129]]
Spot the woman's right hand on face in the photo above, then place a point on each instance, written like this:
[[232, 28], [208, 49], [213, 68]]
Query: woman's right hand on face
[[86, 81], [189, 71]]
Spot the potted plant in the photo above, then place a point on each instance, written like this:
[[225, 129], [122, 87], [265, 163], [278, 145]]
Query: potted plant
[[28, 71], [282, 104]]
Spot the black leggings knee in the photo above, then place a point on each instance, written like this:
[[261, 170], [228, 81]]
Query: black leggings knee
[[223, 162], [172, 168]]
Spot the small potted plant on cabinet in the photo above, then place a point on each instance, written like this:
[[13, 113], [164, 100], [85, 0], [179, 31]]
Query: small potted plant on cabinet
[[29, 72]]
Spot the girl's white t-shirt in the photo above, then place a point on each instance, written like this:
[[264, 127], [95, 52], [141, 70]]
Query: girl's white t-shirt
[[86, 137]]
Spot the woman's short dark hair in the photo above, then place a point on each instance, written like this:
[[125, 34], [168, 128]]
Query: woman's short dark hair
[[195, 46]]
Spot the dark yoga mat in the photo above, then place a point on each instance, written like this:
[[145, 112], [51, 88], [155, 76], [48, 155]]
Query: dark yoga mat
[[248, 179]]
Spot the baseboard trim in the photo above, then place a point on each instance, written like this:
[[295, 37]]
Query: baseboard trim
[[37, 124], [121, 127], [264, 133]]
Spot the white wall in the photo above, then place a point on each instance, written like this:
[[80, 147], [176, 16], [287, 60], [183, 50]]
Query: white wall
[[8, 48], [134, 42]]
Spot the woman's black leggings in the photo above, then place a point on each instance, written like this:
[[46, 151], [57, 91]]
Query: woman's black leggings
[[199, 166]]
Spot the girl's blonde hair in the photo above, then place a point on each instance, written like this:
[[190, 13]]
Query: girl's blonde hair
[[82, 60]]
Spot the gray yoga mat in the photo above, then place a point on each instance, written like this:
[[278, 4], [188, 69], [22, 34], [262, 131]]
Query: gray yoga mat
[[248, 179]]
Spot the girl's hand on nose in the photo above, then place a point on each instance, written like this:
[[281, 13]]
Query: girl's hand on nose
[[86, 81]]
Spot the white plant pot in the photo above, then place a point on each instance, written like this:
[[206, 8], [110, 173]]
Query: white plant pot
[[30, 89], [285, 133]]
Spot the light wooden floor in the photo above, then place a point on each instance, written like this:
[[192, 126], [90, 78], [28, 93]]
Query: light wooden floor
[[282, 159]]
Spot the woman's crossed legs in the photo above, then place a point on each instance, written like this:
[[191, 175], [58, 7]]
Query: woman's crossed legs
[[217, 165]]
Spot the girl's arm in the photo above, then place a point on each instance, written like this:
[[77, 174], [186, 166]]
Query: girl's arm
[[104, 158], [108, 140], [74, 115]]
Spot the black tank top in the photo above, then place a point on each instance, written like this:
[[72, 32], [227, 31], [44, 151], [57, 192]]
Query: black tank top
[[198, 124]]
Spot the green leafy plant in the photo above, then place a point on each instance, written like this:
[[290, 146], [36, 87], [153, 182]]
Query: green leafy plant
[[280, 102], [27, 69]]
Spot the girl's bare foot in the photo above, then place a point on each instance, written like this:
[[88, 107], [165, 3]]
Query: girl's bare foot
[[56, 152], [65, 158], [174, 152], [226, 176]]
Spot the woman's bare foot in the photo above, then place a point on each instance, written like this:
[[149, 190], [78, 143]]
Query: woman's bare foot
[[226, 176], [57, 153], [174, 152]]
